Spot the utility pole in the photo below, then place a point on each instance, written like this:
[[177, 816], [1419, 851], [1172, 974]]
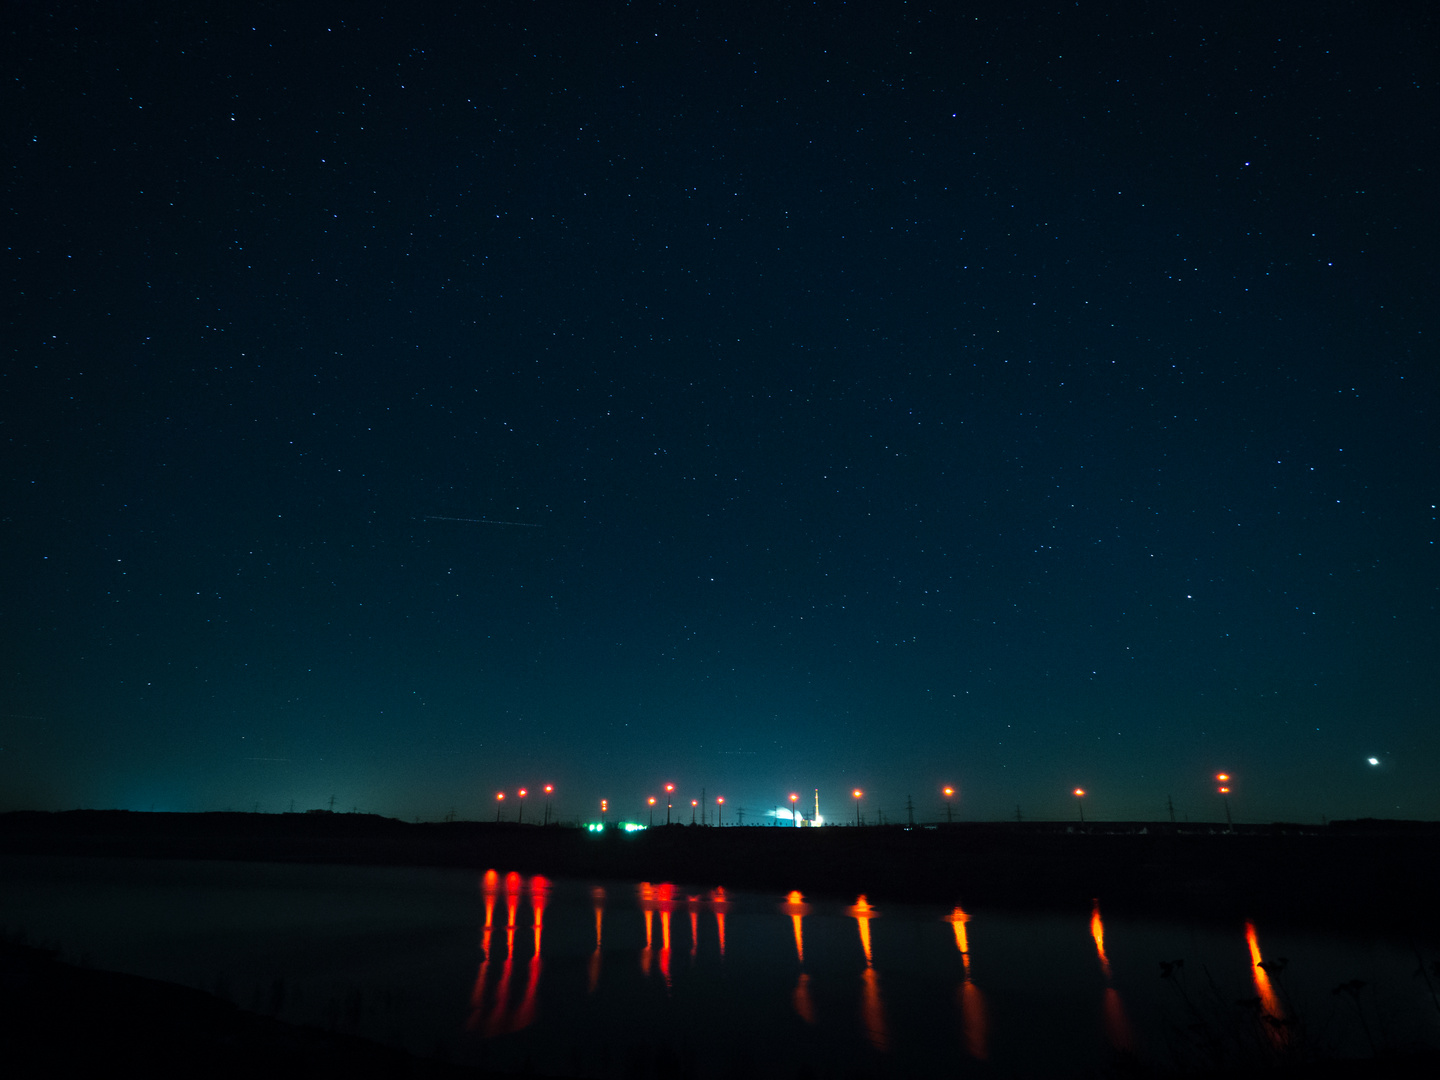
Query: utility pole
[[1018, 817], [702, 806], [1171, 804], [332, 804], [910, 810]]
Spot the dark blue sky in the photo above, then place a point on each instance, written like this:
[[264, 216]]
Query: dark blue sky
[[905, 397]]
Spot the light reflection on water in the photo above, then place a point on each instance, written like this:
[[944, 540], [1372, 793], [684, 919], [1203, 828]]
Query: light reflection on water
[[972, 1002], [1117, 1023], [1272, 1015], [812, 983]]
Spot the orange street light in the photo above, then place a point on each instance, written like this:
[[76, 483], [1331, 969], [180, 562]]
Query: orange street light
[[669, 801], [1079, 795], [520, 816], [549, 790], [604, 809], [499, 799], [857, 793], [720, 810], [693, 804], [949, 794], [793, 800], [1224, 791]]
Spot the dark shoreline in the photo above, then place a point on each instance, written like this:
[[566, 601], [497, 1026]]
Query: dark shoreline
[[59, 1019], [1368, 876]]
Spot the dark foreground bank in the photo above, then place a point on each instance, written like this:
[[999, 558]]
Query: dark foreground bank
[[1365, 875], [60, 1020], [57, 1019]]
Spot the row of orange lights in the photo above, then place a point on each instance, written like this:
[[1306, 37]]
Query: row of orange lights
[[949, 792], [500, 795]]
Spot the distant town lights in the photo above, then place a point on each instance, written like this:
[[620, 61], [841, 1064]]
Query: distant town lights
[[1373, 760]]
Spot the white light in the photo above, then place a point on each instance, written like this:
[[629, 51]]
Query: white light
[[1374, 760]]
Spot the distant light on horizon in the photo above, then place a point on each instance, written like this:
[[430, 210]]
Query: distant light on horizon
[[1373, 760]]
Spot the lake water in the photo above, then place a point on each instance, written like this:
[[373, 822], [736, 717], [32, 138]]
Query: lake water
[[618, 978]]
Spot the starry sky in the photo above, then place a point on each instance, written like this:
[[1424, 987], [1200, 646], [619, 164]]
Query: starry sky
[[880, 395]]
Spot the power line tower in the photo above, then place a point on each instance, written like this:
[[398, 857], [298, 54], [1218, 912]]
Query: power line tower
[[740, 813]]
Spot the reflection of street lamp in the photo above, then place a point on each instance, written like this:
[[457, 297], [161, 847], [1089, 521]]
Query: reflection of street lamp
[[652, 811], [793, 818], [857, 794], [720, 810], [949, 793], [521, 815], [1224, 791], [499, 800], [1080, 795], [549, 790], [669, 802]]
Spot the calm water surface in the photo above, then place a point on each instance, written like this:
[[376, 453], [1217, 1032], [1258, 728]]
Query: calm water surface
[[599, 978]]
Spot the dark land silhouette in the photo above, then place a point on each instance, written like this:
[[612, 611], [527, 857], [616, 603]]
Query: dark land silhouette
[[59, 1019], [1383, 874]]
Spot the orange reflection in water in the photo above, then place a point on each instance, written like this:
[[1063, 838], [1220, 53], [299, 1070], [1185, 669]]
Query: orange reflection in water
[[599, 897], [872, 1012], [1097, 931], [1117, 1024], [974, 1021], [489, 885], [525, 1015], [694, 928], [495, 1024], [646, 892], [797, 909], [717, 899], [804, 1004], [958, 919], [1268, 999], [862, 913], [539, 894], [665, 944], [655, 898]]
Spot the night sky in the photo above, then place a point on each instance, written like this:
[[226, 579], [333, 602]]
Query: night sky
[[883, 396]]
